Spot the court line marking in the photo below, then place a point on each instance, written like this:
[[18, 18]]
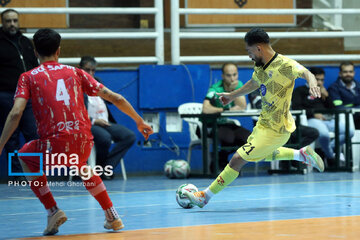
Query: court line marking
[[180, 209], [165, 190], [235, 186]]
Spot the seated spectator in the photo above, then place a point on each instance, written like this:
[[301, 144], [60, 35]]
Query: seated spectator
[[104, 127], [230, 135], [345, 92], [324, 123]]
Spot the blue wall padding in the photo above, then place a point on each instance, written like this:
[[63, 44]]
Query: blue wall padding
[[162, 89], [168, 86]]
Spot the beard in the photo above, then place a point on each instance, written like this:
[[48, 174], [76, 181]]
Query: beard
[[11, 31], [259, 63], [347, 79]]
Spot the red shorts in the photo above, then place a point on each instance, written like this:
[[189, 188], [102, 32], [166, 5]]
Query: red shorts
[[56, 151]]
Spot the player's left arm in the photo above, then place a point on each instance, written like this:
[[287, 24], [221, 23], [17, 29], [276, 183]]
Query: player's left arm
[[123, 105], [311, 80], [227, 97], [12, 120]]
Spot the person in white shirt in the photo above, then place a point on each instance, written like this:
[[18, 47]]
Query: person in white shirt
[[104, 127]]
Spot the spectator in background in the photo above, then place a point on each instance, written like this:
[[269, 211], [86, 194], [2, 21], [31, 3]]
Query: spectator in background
[[345, 92], [104, 127], [230, 134], [324, 123], [16, 56]]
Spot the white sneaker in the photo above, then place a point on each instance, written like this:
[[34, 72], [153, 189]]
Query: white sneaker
[[312, 158], [54, 222], [197, 198], [342, 157], [115, 225]]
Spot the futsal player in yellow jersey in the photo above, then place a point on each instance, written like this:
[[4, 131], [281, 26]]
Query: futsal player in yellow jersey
[[275, 75]]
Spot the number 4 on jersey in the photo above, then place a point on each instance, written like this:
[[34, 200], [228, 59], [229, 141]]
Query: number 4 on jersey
[[61, 92]]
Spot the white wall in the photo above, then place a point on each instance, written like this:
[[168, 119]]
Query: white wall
[[351, 23]]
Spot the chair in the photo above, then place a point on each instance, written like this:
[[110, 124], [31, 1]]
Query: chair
[[193, 108], [92, 162], [194, 123], [355, 144]]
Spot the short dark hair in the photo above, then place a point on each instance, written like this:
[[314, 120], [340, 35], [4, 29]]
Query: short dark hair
[[227, 64], [6, 11], [256, 35], [316, 70], [46, 41], [85, 59], [345, 63]]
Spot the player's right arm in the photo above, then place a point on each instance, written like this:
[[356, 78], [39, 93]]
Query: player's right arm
[[12, 120], [249, 87], [123, 105], [312, 82]]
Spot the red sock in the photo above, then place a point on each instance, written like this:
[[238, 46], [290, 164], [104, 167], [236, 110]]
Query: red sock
[[97, 189], [42, 191]]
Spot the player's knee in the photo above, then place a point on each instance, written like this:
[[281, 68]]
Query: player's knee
[[237, 162]]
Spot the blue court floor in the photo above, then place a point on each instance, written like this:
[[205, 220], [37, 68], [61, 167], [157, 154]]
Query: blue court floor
[[149, 202]]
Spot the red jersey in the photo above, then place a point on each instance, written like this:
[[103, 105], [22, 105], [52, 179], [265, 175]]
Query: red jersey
[[56, 92]]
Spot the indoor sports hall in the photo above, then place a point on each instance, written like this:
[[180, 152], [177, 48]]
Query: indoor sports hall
[[164, 57], [313, 206]]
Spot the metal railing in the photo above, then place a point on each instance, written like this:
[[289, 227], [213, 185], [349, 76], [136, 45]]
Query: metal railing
[[157, 34], [176, 35]]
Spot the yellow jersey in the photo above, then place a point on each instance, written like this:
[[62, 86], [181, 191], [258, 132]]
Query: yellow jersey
[[276, 80]]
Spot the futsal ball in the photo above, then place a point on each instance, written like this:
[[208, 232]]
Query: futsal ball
[[177, 169], [181, 169], [168, 168], [181, 198]]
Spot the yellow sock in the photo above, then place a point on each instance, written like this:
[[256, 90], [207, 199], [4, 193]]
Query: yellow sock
[[227, 176], [282, 153]]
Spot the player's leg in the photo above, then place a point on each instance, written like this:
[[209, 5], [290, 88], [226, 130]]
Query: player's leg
[[324, 138], [39, 186], [260, 143], [227, 176], [97, 189], [305, 155], [264, 141]]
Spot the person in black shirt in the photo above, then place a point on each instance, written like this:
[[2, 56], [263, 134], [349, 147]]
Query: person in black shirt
[[322, 122], [16, 56]]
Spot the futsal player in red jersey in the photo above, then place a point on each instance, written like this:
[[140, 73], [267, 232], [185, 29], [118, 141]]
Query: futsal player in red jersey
[[56, 91]]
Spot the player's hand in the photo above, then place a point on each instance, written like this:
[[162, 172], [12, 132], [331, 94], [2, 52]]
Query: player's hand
[[102, 123], [324, 92], [314, 89], [145, 130], [225, 98]]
